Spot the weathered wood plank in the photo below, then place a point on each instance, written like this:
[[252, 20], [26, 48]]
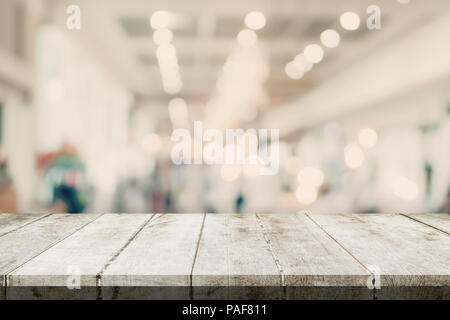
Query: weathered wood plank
[[161, 255], [310, 258], [440, 221], [23, 244], [404, 252], [233, 252], [10, 221], [227, 256], [85, 252]]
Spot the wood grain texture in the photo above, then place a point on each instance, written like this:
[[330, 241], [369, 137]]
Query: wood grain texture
[[310, 258], [440, 221], [238, 256], [162, 254], [21, 245], [233, 253], [84, 253], [10, 222], [406, 252]]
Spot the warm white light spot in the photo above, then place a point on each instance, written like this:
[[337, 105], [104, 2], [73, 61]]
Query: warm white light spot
[[162, 36], [247, 38], [292, 165], [368, 138], [330, 38], [301, 62], [293, 71], [160, 19], [404, 188], [165, 52], [152, 143], [313, 53], [178, 112], [173, 87], [354, 156], [350, 21], [403, 1], [253, 166], [310, 176], [306, 195], [255, 20], [230, 172]]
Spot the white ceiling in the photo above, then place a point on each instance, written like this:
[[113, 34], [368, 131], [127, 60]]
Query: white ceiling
[[118, 33]]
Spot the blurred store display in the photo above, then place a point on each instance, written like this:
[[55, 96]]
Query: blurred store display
[[361, 109]]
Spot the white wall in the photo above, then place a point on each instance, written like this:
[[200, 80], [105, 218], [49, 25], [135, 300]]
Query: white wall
[[78, 103], [18, 148]]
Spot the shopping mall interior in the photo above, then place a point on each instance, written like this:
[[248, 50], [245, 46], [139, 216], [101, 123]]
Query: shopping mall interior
[[92, 92]]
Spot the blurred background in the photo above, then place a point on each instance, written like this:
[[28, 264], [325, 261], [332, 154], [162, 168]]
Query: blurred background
[[86, 115]]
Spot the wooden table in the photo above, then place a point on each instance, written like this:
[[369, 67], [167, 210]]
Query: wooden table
[[220, 256]]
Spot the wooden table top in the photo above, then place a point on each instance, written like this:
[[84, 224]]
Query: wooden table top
[[202, 256]]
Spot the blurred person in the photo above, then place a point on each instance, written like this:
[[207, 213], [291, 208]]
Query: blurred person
[[8, 196], [63, 185], [132, 196]]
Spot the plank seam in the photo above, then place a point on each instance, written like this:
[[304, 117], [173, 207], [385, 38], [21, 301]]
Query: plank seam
[[274, 256], [424, 223], [49, 247], [26, 224], [191, 288], [98, 276], [328, 234]]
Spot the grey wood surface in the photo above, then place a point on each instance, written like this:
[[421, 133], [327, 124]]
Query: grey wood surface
[[20, 246], [280, 256], [162, 254], [11, 222], [308, 256], [407, 253], [440, 221], [85, 252], [233, 252]]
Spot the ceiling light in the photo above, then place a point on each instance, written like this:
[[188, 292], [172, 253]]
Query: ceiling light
[[160, 19], [353, 156], [255, 20], [310, 176], [313, 53], [247, 38], [368, 138], [292, 165], [178, 112], [301, 62], [330, 38], [293, 71], [404, 188], [306, 195], [162, 36], [252, 166], [230, 172], [165, 51], [173, 88], [350, 21]]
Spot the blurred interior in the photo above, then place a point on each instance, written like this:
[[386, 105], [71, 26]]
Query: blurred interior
[[86, 115]]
